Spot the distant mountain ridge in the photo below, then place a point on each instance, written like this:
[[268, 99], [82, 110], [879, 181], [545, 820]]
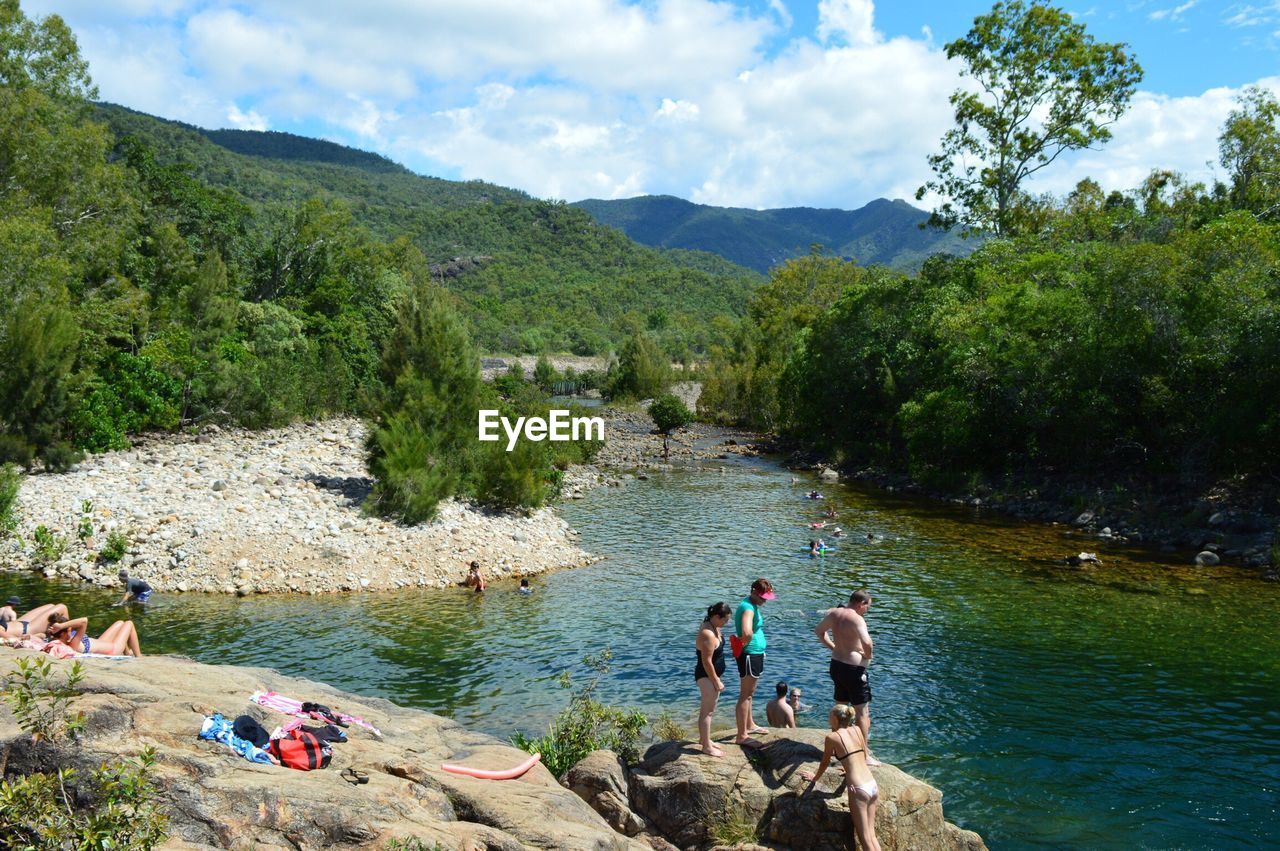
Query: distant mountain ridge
[[883, 232]]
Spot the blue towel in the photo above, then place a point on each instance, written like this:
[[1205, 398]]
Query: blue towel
[[218, 729]]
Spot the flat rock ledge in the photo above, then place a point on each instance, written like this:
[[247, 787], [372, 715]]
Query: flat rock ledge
[[675, 798], [757, 799], [278, 511], [216, 799]]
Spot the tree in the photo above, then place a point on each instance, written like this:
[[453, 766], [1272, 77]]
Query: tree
[[544, 374], [669, 413], [1043, 86], [643, 370], [1249, 149], [422, 443]]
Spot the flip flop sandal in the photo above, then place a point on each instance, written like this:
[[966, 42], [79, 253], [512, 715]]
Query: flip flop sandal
[[354, 776]]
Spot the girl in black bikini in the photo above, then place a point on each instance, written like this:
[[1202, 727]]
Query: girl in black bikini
[[33, 622], [709, 669], [846, 743]]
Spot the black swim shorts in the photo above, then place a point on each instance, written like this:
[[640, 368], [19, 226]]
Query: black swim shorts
[[751, 665], [851, 683]]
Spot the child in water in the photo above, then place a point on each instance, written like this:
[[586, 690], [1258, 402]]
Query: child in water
[[524, 586], [474, 579]]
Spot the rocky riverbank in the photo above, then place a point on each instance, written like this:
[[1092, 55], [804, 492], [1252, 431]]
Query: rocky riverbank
[[275, 511], [1238, 525], [216, 799]]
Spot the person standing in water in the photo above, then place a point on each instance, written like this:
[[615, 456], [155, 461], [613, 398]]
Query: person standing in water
[[748, 623], [778, 710], [844, 632], [708, 672], [474, 579]]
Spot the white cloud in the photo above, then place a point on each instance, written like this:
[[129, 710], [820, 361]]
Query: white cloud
[[1173, 14], [596, 98], [851, 21], [246, 120]]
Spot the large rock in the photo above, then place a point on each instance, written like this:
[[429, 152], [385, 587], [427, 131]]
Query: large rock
[[694, 799], [216, 799], [600, 779]]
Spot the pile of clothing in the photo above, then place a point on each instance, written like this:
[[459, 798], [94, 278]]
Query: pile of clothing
[[293, 744]]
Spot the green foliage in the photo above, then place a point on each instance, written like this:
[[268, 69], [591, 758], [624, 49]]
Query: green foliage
[[60, 457], [733, 825], [84, 526], [116, 546], [515, 480], [586, 724], [544, 374], [49, 546], [10, 484], [422, 445], [1044, 86], [1250, 152], [643, 370], [41, 701], [669, 413], [36, 810], [128, 395], [667, 729], [411, 844]]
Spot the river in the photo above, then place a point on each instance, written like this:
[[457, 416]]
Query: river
[[1132, 705]]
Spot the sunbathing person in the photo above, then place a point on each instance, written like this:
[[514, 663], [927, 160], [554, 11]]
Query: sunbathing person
[[119, 639], [33, 622]]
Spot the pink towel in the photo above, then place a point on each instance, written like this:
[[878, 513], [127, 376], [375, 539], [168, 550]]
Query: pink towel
[[289, 706]]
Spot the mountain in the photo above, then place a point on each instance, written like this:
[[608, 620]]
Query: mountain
[[529, 274], [883, 232]]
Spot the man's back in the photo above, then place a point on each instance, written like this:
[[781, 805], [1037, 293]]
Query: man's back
[[849, 635], [779, 713]]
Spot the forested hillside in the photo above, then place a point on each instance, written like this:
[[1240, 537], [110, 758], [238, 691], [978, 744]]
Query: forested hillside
[[885, 233], [151, 278], [530, 275]]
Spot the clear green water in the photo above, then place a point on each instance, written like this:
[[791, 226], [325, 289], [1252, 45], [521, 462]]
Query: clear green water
[[1136, 705]]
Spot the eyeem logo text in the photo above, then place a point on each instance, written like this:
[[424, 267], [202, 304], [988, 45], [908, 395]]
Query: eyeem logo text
[[560, 426]]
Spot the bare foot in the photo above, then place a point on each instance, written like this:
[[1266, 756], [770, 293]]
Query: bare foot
[[713, 750]]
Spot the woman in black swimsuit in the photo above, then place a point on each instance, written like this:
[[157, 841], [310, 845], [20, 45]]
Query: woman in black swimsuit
[[32, 623], [709, 669]]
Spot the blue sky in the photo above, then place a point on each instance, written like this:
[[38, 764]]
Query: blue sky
[[754, 103]]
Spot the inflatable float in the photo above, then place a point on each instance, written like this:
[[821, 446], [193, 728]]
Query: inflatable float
[[486, 774]]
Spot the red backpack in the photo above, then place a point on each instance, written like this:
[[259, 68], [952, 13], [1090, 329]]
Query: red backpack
[[301, 750]]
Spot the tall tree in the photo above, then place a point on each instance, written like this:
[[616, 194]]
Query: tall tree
[[1249, 149], [1042, 86]]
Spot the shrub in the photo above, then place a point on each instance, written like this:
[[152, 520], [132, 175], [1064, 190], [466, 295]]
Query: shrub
[[667, 729], [129, 395], [642, 370], [586, 725], [84, 528], [115, 548], [669, 413], [49, 546], [544, 374], [36, 811], [16, 450], [10, 484], [40, 701], [60, 457], [515, 480]]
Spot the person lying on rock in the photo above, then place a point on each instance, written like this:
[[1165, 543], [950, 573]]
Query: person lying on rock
[[848, 745], [119, 639], [33, 622]]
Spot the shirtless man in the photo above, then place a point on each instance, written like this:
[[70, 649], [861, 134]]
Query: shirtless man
[[779, 711], [844, 632]]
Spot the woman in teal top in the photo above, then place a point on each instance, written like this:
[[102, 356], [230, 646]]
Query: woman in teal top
[[748, 623]]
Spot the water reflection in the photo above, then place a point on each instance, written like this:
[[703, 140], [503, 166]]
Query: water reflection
[[1132, 705]]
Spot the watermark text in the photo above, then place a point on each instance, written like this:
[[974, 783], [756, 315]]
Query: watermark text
[[558, 426]]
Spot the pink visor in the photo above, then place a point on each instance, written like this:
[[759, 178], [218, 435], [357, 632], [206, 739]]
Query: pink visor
[[767, 595]]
